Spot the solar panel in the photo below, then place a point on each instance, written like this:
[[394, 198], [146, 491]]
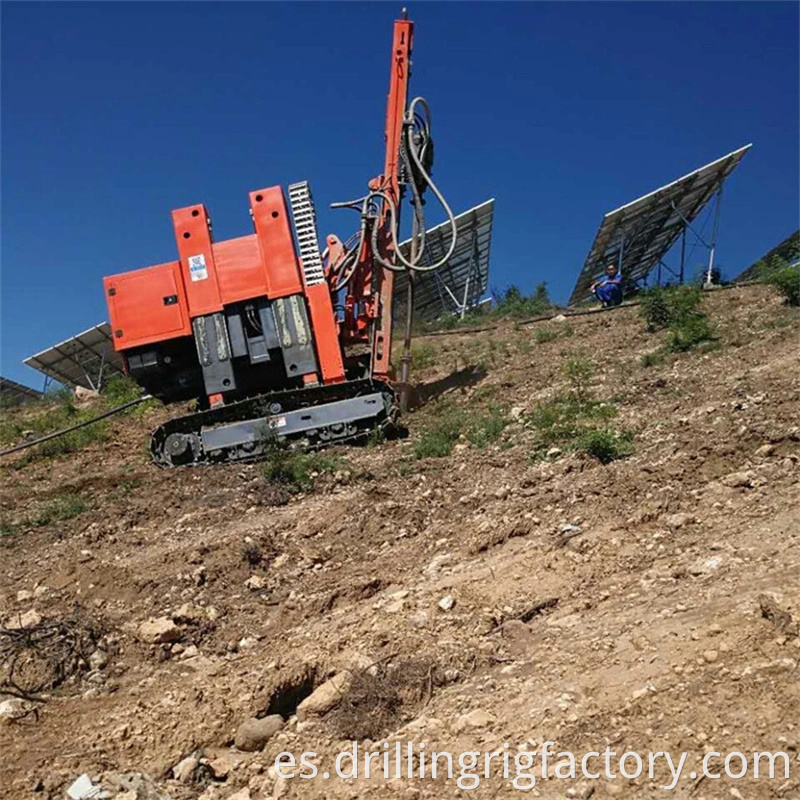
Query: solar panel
[[788, 250], [15, 394], [461, 282], [646, 229], [84, 360]]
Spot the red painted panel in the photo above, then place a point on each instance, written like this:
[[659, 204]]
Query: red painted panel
[[240, 273], [197, 260], [275, 242], [147, 305]]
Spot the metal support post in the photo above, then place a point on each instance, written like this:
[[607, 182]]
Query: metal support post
[[683, 254], [713, 249]]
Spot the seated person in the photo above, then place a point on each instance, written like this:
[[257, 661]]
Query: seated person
[[609, 290]]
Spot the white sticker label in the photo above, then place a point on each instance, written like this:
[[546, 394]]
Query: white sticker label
[[197, 268], [277, 422]]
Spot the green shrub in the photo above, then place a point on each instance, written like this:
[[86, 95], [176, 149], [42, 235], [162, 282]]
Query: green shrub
[[61, 508], [604, 444], [786, 280], [514, 304], [676, 309]]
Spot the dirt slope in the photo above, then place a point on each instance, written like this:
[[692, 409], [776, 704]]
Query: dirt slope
[[649, 604]]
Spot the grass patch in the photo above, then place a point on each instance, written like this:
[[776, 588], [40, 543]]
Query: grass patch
[[61, 508], [451, 423], [576, 421]]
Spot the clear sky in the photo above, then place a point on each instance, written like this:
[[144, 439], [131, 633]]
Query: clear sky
[[113, 114]]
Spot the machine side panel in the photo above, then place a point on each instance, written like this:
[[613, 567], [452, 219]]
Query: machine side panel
[[326, 332], [240, 273], [147, 305], [275, 242], [197, 260]]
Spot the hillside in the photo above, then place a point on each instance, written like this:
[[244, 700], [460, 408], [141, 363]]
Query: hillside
[[514, 590]]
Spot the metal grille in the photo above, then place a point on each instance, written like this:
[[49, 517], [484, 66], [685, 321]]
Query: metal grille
[[305, 225]]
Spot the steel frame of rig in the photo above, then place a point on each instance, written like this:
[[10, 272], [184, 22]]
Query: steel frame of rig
[[274, 339]]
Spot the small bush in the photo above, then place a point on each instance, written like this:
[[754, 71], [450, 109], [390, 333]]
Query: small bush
[[604, 444], [61, 508], [676, 310], [786, 280]]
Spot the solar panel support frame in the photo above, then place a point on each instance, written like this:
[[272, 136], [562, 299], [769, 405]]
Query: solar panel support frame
[[649, 227]]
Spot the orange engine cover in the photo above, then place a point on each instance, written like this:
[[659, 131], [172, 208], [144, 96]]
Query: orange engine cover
[[147, 305]]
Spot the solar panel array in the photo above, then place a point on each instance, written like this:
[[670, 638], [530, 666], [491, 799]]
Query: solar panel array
[[648, 227], [84, 360], [14, 394], [788, 250], [462, 281]]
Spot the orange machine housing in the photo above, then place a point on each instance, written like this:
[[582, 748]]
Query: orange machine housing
[[232, 319]]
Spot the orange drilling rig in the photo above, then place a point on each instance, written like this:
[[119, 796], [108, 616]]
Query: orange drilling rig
[[274, 338]]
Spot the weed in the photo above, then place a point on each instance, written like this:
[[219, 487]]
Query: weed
[[296, 470], [665, 307], [689, 333], [486, 428], [605, 444], [252, 554], [579, 373], [652, 359], [676, 310], [119, 389], [423, 355], [571, 424], [480, 429], [544, 335], [61, 508]]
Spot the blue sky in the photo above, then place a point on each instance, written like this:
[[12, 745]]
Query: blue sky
[[113, 114]]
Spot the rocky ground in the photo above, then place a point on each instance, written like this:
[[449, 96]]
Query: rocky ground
[[468, 601]]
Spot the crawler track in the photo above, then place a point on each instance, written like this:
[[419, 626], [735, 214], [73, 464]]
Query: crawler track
[[184, 441]]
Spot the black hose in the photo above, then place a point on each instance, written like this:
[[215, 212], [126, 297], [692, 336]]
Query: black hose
[[83, 424]]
